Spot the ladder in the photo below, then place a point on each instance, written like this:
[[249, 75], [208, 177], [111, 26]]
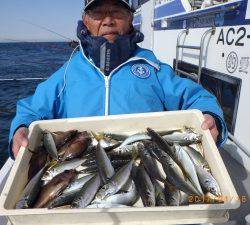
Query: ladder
[[200, 48]]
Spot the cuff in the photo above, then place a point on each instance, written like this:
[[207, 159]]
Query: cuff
[[11, 155], [222, 129]]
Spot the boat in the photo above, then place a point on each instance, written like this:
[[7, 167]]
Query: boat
[[209, 44]]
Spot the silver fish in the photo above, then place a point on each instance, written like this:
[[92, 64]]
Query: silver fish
[[87, 193], [50, 145], [185, 138], [124, 198], [62, 166], [105, 142], [208, 183], [106, 206], [116, 136], [197, 158], [182, 156], [126, 150], [116, 182], [134, 138], [105, 168]]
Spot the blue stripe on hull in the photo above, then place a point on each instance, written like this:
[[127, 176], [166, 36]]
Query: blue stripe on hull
[[207, 18], [169, 9]]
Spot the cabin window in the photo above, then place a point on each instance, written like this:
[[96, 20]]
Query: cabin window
[[225, 87]]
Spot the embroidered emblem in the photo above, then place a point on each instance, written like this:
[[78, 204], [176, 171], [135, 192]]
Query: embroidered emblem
[[140, 70]]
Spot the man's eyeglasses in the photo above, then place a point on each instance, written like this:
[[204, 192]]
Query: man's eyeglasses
[[100, 14]]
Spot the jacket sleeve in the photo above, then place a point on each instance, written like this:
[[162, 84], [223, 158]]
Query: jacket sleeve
[[181, 94], [43, 104]]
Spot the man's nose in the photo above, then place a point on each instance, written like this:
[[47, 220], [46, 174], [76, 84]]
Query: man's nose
[[108, 20]]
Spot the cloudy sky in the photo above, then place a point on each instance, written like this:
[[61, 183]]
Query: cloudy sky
[[20, 19]]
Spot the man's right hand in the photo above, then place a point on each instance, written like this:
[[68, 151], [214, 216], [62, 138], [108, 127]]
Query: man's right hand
[[20, 138]]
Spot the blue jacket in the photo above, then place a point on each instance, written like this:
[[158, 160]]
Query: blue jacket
[[141, 84]]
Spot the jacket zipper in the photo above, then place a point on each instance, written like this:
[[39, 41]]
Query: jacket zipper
[[107, 78]]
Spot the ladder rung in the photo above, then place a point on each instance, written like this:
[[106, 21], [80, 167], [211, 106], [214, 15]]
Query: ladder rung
[[192, 75], [189, 46]]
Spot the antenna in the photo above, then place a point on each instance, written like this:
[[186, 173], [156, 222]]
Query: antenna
[[47, 29]]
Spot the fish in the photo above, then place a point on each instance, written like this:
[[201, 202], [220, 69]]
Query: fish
[[174, 174], [76, 147], [106, 206], [124, 151], [50, 145], [161, 143], [58, 168], [54, 188], [116, 182], [61, 138], [31, 191], [149, 163], [184, 159], [106, 142], [172, 195], [134, 138], [104, 165], [129, 197], [116, 136], [208, 183], [159, 194], [177, 158], [185, 138], [197, 158], [68, 195], [145, 187], [37, 161], [87, 193]]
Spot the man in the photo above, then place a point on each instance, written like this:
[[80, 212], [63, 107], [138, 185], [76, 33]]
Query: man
[[112, 75]]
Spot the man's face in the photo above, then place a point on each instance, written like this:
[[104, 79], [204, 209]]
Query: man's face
[[108, 19]]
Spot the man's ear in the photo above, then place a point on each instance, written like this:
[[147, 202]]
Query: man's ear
[[85, 20]]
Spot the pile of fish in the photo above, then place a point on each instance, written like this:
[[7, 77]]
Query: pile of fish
[[76, 169]]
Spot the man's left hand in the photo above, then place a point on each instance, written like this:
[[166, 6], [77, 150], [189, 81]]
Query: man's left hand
[[209, 123]]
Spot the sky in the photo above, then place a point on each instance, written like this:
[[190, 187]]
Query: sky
[[60, 16]]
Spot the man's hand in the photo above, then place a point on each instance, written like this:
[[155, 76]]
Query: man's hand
[[209, 123], [20, 138]]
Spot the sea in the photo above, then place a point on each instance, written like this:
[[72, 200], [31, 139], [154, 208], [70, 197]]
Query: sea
[[18, 63]]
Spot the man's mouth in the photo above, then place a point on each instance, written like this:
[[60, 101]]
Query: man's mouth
[[109, 33]]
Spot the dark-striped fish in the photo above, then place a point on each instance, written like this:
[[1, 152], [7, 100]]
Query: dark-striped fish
[[145, 187], [174, 174], [31, 191], [149, 162], [159, 194]]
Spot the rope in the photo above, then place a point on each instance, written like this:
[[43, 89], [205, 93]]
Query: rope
[[24, 78], [65, 72]]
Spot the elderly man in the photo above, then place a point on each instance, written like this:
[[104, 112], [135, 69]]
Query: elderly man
[[112, 75]]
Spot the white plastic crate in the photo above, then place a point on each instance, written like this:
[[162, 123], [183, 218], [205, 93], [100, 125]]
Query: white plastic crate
[[201, 213]]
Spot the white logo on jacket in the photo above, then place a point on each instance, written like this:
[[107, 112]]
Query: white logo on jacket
[[140, 70]]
